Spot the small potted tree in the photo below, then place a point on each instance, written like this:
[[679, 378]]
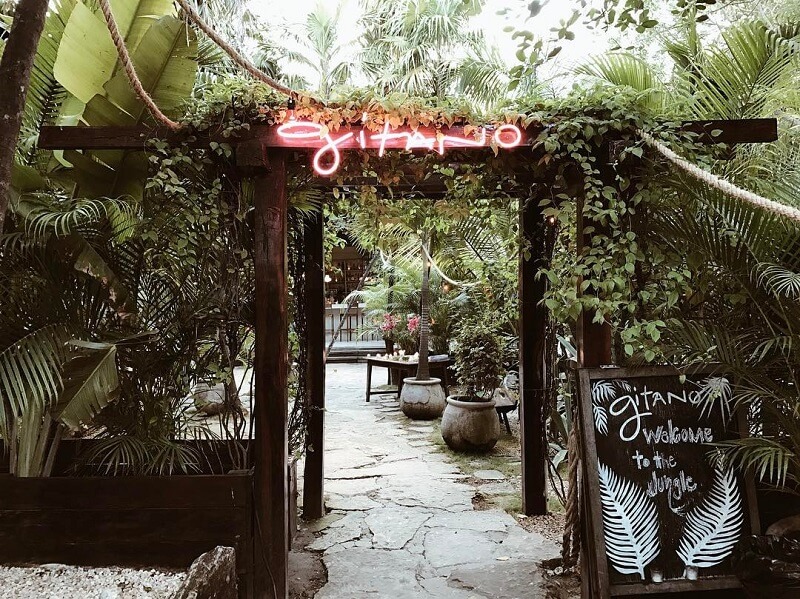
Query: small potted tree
[[422, 397], [470, 422]]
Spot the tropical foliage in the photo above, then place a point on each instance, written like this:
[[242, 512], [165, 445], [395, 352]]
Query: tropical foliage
[[431, 47], [126, 276]]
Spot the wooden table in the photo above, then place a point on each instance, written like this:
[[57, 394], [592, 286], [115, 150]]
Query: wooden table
[[439, 366]]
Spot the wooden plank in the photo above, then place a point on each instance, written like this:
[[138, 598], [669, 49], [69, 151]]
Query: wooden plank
[[678, 586], [122, 492], [532, 361], [314, 475], [271, 368], [734, 132], [135, 138], [245, 559], [123, 527]]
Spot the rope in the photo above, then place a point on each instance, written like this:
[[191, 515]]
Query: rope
[[255, 72], [721, 184], [441, 274], [130, 71]]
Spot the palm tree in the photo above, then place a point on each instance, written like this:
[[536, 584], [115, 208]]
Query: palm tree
[[321, 51], [430, 48], [15, 72]]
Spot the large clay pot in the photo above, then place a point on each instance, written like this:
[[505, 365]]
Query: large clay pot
[[422, 400], [470, 426]]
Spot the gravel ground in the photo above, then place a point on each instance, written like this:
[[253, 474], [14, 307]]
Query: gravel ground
[[57, 581]]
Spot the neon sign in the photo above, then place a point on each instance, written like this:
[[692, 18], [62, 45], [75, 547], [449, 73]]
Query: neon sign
[[327, 158]]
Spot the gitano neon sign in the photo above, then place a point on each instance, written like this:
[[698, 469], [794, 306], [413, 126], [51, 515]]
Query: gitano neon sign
[[327, 158]]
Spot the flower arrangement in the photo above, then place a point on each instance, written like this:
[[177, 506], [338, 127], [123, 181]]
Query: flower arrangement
[[388, 325], [406, 333]]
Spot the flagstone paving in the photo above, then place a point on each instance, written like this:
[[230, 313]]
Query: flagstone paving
[[402, 523]]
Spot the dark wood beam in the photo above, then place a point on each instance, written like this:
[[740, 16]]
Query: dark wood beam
[[136, 138], [314, 475], [268, 168], [532, 359], [734, 132]]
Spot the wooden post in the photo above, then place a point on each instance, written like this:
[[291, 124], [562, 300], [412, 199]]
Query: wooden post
[[314, 475], [594, 349], [271, 368], [532, 362]]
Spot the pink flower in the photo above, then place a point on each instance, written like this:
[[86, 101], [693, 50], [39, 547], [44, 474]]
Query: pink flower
[[413, 323], [390, 321]]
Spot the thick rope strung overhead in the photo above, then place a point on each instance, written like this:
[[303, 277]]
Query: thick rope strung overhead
[[136, 83], [721, 184], [130, 71], [441, 274], [240, 60]]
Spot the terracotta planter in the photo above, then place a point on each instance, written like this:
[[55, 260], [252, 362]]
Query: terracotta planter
[[470, 426], [422, 400]]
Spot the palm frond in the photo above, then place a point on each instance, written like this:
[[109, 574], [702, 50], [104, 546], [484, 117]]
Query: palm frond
[[30, 371], [768, 459], [626, 70], [779, 280]]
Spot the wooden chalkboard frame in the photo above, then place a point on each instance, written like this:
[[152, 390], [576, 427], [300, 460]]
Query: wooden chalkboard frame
[[600, 585]]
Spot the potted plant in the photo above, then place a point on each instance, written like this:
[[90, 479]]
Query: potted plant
[[422, 397], [470, 422]]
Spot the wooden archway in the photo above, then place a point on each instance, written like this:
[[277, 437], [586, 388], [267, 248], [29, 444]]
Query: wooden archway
[[262, 154]]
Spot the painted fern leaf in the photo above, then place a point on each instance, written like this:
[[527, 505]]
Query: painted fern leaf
[[630, 523], [600, 419], [714, 526], [602, 392]]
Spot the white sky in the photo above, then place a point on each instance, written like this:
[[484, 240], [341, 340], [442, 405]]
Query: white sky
[[585, 44]]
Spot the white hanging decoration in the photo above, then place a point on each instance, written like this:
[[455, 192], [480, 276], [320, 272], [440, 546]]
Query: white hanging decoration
[[602, 392], [714, 526], [630, 523]]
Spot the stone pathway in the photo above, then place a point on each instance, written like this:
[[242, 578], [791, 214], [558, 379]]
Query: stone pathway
[[402, 524]]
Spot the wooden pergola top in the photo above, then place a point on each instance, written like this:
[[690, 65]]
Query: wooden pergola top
[[136, 138]]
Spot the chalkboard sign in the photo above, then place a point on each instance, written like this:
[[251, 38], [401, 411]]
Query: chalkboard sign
[[663, 516]]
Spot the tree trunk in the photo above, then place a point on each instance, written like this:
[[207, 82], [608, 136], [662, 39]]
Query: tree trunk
[[15, 73], [232, 402], [423, 369]]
